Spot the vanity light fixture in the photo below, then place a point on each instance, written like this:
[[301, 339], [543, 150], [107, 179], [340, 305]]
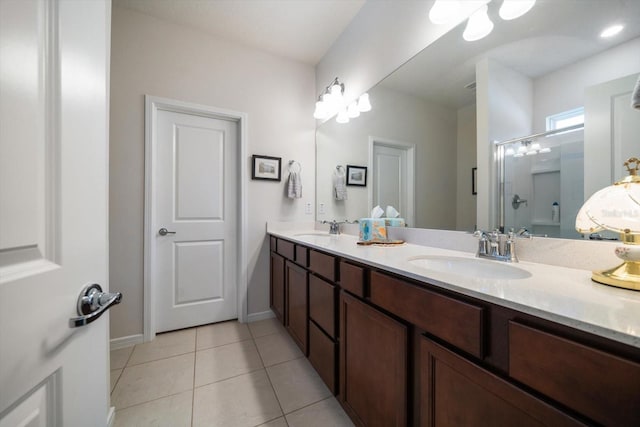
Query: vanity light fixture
[[611, 31], [526, 148], [331, 102], [512, 9], [617, 208], [478, 26]]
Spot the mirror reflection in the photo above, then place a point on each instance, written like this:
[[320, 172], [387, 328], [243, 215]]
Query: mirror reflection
[[431, 118]]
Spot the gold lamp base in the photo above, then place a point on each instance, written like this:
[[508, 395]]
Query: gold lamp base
[[626, 275]]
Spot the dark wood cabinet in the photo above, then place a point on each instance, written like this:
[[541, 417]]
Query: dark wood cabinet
[[399, 351], [456, 392], [297, 291], [277, 293], [373, 365]]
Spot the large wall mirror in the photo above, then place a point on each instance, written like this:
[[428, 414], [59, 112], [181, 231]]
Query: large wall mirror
[[434, 119]]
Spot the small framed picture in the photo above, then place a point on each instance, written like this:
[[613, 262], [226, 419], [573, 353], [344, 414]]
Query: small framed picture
[[357, 175], [266, 167], [474, 180]]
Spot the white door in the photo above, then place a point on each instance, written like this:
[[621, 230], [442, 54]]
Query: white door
[[196, 190], [611, 133], [393, 178], [54, 59]]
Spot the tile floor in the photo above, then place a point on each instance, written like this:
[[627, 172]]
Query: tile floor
[[226, 374]]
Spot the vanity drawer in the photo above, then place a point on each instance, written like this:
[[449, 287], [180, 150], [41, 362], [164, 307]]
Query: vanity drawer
[[286, 249], [302, 256], [322, 355], [322, 304], [322, 264], [454, 321], [600, 385], [352, 278]]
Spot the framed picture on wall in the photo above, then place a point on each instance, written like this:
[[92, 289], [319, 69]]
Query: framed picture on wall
[[474, 180], [357, 175], [266, 167]]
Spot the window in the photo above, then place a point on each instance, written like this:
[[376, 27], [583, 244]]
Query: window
[[565, 119]]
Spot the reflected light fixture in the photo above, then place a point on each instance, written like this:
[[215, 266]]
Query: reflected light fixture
[[478, 26], [617, 208], [611, 31], [526, 148], [512, 9], [444, 11], [331, 102]]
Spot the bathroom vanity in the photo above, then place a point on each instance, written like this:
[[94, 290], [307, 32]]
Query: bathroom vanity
[[400, 345]]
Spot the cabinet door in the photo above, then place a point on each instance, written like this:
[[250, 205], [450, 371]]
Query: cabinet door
[[456, 392], [277, 286], [373, 365], [297, 304]]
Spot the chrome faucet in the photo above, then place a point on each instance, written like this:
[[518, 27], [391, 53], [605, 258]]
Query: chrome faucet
[[334, 226], [497, 246]]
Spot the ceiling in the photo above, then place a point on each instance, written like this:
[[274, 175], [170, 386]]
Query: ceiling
[[302, 30], [554, 34]]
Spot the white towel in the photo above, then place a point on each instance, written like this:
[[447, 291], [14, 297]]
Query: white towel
[[339, 186], [295, 186], [635, 96]]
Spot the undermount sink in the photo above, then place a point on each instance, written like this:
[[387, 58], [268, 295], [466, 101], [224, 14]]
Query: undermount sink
[[312, 235], [469, 267]]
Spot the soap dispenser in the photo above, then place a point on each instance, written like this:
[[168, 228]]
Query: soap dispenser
[[555, 212]]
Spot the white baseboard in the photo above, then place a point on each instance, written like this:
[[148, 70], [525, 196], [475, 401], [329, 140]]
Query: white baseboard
[[122, 342], [111, 416], [254, 317]]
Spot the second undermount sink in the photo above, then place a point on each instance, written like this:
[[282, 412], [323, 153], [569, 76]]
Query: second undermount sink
[[469, 267]]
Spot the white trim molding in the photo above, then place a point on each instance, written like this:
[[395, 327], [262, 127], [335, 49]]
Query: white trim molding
[[254, 317], [124, 342], [152, 105]]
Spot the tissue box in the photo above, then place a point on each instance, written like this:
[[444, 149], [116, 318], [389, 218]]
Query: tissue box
[[395, 222], [372, 229]]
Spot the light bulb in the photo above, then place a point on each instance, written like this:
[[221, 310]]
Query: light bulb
[[320, 111], [343, 117], [336, 91], [352, 110], [522, 149], [478, 26], [512, 9], [510, 151], [444, 11], [535, 146], [531, 153], [611, 31], [363, 103], [545, 150], [518, 155]]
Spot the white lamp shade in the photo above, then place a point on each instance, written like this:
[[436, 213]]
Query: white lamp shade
[[512, 9], [444, 11], [478, 26], [320, 111], [352, 110], [615, 208], [343, 117], [510, 151], [364, 104]]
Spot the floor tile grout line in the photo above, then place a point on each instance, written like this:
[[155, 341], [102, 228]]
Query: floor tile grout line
[[153, 400], [222, 345], [309, 404], [162, 358], [228, 378], [193, 388], [271, 383]]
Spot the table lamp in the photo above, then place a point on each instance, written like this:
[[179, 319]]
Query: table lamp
[[617, 208]]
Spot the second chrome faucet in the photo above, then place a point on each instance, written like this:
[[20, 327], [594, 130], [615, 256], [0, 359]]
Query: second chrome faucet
[[497, 246]]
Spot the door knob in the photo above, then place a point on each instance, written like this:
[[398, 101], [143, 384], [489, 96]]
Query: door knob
[[163, 232], [92, 302]]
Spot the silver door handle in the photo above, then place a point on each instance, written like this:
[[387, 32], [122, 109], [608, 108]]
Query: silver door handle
[[92, 302], [163, 232]]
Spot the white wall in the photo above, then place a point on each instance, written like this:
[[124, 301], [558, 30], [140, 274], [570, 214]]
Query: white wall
[[150, 56], [564, 89], [403, 118], [465, 161]]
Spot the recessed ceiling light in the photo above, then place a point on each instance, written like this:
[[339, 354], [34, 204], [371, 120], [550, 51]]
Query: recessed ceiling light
[[611, 31]]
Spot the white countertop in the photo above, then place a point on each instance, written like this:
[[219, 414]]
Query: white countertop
[[563, 295]]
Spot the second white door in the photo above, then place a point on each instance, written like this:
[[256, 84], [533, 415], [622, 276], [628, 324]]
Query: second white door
[[196, 203]]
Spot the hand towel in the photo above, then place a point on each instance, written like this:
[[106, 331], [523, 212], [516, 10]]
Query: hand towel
[[295, 185], [635, 96], [340, 188]]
